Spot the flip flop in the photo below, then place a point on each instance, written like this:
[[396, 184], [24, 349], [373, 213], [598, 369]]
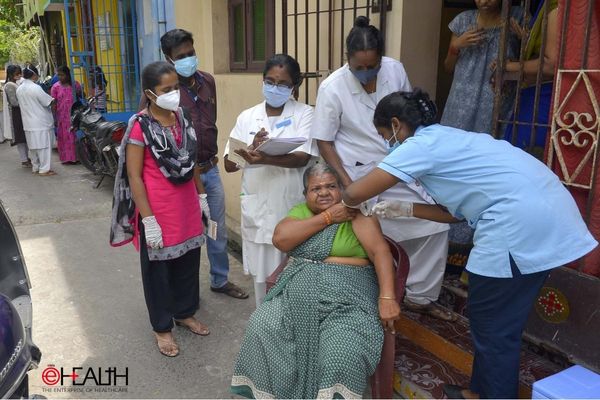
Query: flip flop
[[232, 290], [166, 347], [203, 332], [49, 173]]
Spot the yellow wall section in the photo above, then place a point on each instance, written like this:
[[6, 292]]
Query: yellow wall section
[[110, 58]]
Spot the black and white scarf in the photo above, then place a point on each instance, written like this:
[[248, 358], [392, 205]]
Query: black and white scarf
[[175, 162]]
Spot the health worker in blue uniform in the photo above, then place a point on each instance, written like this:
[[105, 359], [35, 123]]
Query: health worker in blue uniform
[[526, 223]]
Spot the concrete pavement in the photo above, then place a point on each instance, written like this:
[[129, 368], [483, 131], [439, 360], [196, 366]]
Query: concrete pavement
[[88, 305]]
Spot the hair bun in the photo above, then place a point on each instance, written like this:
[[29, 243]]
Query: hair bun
[[427, 107], [361, 22]]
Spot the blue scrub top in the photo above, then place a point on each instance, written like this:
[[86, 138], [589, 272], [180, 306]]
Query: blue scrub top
[[516, 205]]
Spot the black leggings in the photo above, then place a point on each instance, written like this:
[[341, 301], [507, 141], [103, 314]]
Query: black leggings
[[171, 287]]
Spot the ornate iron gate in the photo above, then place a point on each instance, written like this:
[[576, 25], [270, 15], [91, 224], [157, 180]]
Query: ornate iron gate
[[103, 54], [314, 32]]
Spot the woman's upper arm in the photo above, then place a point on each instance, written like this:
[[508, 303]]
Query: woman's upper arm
[[551, 50], [135, 159], [368, 232], [134, 151], [326, 117]]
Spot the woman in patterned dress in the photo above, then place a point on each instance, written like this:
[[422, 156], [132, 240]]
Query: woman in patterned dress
[[319, 332], [62, 91]]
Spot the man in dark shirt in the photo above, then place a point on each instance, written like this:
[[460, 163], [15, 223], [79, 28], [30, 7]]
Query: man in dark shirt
[[198, 97]]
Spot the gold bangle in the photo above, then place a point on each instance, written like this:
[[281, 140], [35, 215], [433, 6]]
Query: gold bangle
[[387, 298], [329, 217], [326, 217]]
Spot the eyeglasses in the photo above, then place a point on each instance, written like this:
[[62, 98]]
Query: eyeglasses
[[278, 85]]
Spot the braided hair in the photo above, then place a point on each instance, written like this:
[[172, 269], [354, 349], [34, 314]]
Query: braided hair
[[364, 37], [413, 108]]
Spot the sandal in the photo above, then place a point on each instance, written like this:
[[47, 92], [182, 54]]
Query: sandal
[[26, 164], [49, 173], [232, 290], [166, 347], [432, 309], [203, 331]]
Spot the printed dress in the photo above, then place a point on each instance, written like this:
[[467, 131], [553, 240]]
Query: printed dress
[[470, 102], [318, 333], [65, 136]]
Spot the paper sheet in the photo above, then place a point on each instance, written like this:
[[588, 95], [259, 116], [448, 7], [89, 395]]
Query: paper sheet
[[281, 146], [236, 144]]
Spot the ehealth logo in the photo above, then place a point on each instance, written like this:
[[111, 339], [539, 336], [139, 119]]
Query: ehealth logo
[[91, 377]]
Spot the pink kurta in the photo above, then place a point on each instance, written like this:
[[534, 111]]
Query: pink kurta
[[176, 207], [65, 137]]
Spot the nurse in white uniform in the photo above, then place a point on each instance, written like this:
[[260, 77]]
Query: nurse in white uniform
[[38, 121], [350, 144], [525, 222], [271, 185]]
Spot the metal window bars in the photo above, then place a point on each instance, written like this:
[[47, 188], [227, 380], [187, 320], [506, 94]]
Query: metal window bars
[[314, 32], [103, 54]]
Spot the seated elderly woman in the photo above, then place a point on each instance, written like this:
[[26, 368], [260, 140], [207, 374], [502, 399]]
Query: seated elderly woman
[[319, 332]]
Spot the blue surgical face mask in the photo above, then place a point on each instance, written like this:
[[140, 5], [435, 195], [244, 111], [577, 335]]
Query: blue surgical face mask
[[186, 67], [276, 95], [367, 75], [392, 147]]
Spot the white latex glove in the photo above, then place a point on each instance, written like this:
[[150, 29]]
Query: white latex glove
[[152, 232], [204, 205], [393, 209]]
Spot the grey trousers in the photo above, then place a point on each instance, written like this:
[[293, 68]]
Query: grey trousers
[[427, 265]]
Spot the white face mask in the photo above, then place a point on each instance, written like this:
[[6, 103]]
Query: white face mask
[[168, 101]]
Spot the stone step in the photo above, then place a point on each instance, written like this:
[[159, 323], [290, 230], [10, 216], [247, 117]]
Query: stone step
[[449, 345]]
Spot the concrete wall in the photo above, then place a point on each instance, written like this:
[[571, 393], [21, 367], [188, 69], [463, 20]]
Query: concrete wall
[[419, 36], [412, 36]]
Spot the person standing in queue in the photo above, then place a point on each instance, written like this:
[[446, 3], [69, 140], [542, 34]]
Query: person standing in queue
[[38, 121], [349, 143], [65, 92], [199, 99], [526, 223], [156, 205], [13, 123]]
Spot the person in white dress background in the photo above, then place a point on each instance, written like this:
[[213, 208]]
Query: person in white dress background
[[38, 122], [348, 141], [271, 185]]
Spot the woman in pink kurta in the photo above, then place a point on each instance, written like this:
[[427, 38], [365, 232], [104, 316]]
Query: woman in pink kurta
[[160, 160], [62, 91]]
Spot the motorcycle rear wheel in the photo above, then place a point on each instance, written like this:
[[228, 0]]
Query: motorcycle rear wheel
[[87, 154]]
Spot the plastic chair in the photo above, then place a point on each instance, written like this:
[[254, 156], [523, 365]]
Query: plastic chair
[[382, 381]]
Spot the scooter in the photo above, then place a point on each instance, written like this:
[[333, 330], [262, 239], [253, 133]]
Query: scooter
[[18, 353], [98, 145]]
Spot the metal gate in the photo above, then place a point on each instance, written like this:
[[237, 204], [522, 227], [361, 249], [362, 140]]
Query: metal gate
[[573, 126], [103, 54], [314, 33]]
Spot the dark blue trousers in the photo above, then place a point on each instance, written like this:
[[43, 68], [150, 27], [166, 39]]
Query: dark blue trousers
[[498, 309]]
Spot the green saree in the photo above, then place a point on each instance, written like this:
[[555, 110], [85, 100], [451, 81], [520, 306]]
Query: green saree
[[318, 333]]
